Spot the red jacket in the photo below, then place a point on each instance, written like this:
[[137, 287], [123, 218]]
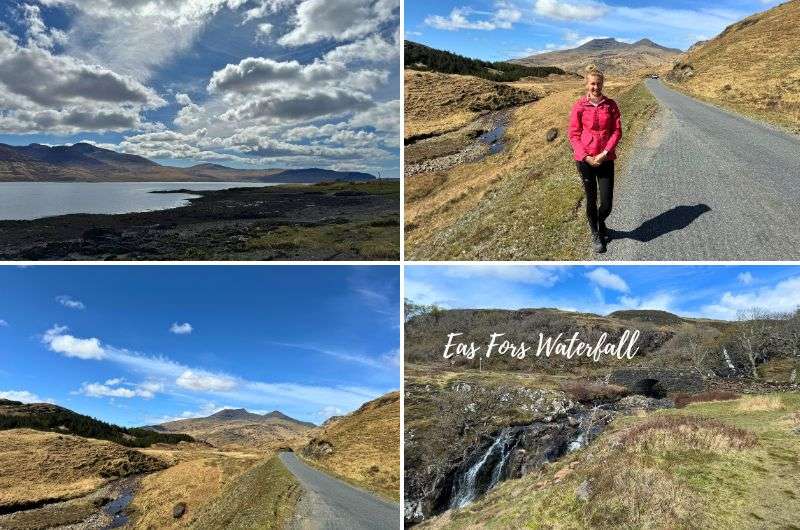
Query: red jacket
[[594, 129]]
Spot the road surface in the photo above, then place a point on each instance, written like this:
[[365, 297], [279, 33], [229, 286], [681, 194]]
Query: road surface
[[707, 184], [330, 504]]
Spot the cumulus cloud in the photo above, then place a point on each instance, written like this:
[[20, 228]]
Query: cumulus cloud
[[23, 395], [45, 92], [782, 297], [3, 323], [68, 301], [604, 278], [340, 20], [59, 341], [562, 10], [181, 329], [205, 381], [289, 106]]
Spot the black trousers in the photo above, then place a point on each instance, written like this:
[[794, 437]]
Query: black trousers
[[597, 179]]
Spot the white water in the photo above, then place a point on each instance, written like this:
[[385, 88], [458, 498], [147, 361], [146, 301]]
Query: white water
[[467, 492]]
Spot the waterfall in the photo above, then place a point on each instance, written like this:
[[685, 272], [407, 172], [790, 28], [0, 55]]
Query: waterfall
[[466, 488]]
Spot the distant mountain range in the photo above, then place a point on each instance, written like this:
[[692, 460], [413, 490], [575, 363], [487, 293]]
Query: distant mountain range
[[83, 162], [240, 428], [610, 55]]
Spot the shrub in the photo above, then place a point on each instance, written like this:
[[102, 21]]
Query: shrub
[[686, 432]]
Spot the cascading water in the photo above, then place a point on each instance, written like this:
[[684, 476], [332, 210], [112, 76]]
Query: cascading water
[[534, 445], [466, 489]]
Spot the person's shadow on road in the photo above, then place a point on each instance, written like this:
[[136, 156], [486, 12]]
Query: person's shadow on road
[[676, 218]]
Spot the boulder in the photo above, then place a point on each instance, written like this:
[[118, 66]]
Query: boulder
[[178, 510], [552, 134]]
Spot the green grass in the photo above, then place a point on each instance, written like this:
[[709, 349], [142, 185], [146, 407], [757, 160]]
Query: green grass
[[265, 497], [665, 478]]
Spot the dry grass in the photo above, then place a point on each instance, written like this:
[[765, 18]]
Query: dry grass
[[681, 400], [265, 497], [523, 203], [197, 477], [366, 446], [438, 103], [43, 466], [760, 404], [753, 67], [677, 433]]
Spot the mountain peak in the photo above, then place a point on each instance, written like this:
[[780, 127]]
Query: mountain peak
[[602, 44], [234, 414]]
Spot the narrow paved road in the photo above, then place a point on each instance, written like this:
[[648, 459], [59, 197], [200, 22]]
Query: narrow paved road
[[330, 504], [706, 184]]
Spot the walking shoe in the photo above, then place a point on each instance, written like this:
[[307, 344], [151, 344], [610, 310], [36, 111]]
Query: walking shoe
[[597, 243]]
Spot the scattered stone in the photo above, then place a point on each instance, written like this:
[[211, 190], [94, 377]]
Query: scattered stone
[[584, 491], [552, 134], [178, 510], [644, 403]]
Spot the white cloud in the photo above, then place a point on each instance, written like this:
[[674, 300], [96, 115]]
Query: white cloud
[[205, 381], [503, 17], [23, 396], [340, 20], [42, 92], [561, 10], [68, 301], [745, 278], [181, 329], [112, 389], [59, 341], [3, 323], [604, 278], [782, 297]]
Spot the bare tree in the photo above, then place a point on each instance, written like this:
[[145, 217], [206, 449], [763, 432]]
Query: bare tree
[[752, 332]]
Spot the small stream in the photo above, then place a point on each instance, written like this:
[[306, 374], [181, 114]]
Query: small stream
[[494, 137], [116, 508]]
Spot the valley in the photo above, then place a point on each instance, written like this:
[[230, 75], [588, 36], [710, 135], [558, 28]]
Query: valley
[[489, 172], [226, 470], [689, 430]]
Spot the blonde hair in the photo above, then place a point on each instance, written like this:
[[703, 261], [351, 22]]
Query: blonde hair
[[592, 70]]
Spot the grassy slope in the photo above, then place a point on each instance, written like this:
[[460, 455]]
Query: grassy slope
[[732, 464], [196, 477], [265, 497], [524, 203], [436, 103], [366, 447], [41, 466], [752, 67]]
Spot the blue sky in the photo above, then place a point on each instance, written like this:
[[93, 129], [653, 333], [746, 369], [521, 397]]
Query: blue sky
[[139, 345], [503, 29], [244, 83], [719, 292]]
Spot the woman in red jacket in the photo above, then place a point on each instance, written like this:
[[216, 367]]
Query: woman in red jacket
[[595, 129]]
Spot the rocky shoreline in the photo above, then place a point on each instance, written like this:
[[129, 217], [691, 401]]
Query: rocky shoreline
[[328, 221]]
